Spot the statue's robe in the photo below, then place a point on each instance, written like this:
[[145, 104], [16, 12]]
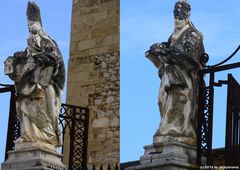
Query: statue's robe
[[178, 67], [39, 79]]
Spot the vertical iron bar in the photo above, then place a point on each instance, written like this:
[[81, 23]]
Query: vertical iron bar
[[72, 138], [232, 126], [63, 136], [63, 128], [235, 127], [238, 147], [11, 123], [85, 140], [228, 137], [108, 167], [236, 119], [200, 117], [116, 166], [210, 120]]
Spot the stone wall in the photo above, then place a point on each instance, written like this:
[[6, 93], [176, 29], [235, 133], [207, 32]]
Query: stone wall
[[93, 75], [95, 27]]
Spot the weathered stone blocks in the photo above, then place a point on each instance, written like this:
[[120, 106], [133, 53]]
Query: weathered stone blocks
[[94, 75]]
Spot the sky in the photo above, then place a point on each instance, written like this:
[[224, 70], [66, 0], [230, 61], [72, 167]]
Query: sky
[[56, 18], [149, 21]]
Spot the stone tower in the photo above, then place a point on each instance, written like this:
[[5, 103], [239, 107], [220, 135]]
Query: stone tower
[[93, 75]]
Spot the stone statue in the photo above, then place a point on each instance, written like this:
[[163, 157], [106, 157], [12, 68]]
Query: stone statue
[[39, 76], [178, 63]]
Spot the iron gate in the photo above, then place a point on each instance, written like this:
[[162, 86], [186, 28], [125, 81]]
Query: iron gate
[[233, 123], [13, 124], [72, 119], [205, 111], [75, 119]]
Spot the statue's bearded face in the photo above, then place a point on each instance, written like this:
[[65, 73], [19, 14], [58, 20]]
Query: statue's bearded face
[[34, 27], [179, 24]]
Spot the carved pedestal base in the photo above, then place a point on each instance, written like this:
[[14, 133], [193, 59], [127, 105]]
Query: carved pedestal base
[[168, 156], [33, 158]]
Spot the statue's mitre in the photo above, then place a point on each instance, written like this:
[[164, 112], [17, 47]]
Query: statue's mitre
[[33, 12], [182, 10]]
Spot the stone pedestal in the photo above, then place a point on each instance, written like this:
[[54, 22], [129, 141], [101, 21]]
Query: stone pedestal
[[33, 158], [168, 156]]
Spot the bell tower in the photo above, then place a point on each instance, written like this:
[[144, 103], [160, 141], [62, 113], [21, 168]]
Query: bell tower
[[93, 75]]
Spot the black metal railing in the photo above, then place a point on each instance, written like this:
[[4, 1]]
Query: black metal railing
[[72, 119], [13, 124], [109, 167], [232, 148], [75, 120], [206, 107]]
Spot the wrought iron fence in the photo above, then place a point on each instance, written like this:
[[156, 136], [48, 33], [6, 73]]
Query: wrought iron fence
[[232, 149], [109, 167], [205, 111], [13, 124], [73, 120]]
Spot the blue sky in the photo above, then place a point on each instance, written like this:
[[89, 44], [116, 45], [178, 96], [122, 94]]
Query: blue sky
[[56, 18], [146, 22]]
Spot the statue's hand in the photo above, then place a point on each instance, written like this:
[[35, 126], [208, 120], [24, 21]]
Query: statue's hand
[[41, 60], [20, 54], [44, 60], [159, 48]]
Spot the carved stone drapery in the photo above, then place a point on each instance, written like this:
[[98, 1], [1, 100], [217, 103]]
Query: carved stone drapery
[[178, 63], [39, 76]]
